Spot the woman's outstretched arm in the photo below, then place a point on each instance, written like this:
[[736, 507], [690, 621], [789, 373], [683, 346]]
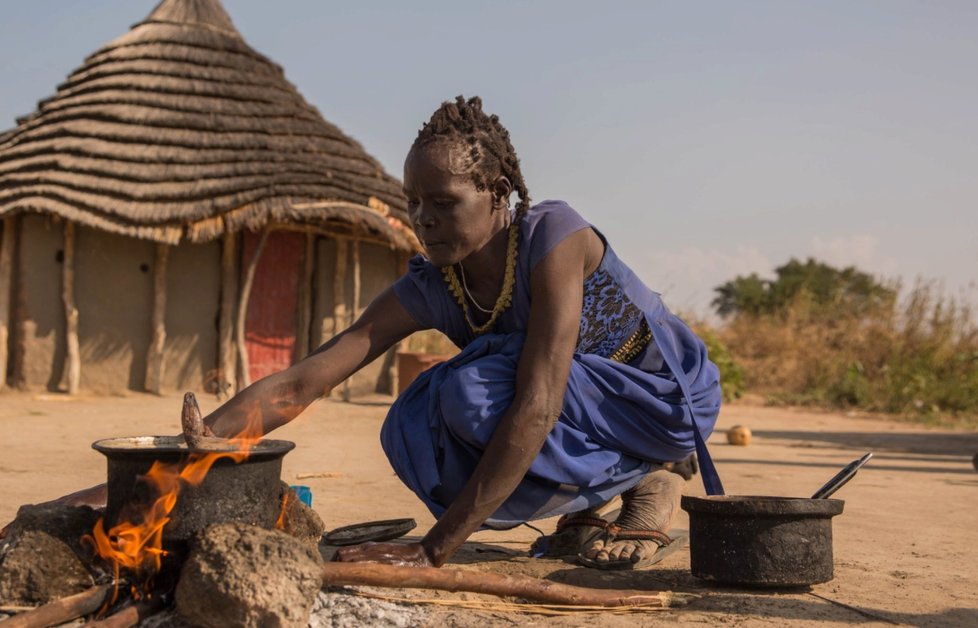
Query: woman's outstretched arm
[[277, 399]]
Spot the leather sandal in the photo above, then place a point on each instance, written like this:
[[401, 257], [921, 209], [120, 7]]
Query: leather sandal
[[666, 545], [569, 536]]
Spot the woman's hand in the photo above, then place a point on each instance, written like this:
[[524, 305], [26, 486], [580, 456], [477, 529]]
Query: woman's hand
[[406, 555]]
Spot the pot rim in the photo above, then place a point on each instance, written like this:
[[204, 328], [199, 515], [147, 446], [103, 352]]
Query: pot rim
[[169, 445], [762, 505]]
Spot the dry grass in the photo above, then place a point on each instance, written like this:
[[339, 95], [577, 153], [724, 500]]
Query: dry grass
[[916, 357]]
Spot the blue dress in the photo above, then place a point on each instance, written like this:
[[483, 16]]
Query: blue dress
[[617, 418]]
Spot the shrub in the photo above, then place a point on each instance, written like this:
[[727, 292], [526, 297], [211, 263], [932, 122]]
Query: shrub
[[731, 374], [916, 356]]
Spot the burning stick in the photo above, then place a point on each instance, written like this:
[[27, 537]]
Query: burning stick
[[63, 610], [131, 615], [194, 430], [533, 589]]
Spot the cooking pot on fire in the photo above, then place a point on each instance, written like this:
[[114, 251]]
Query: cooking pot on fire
[[239, 484]]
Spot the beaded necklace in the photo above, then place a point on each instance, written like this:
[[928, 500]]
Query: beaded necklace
[[465, 287], [505, 295]]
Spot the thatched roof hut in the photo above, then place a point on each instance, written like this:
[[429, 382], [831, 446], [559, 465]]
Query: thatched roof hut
[[179, 129], [178, 133]]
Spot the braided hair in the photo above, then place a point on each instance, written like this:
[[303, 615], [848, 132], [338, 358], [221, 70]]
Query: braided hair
[[483, 150]]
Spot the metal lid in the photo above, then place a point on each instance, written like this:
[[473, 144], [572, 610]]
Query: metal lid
[[369, 531]]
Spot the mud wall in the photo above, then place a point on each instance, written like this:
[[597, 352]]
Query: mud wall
[[321, 327], [113, 293], [193, 292], [38, 319], [114, 296], [378, 270]]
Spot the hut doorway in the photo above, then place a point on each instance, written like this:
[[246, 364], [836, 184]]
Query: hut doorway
[[271, 321]]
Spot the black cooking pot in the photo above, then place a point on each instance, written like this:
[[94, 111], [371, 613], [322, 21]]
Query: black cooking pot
[[247, 492], [761, 541]]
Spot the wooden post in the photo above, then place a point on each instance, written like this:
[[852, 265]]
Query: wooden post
[[244, 378], [154, 357], [355, 307], [227, 378], [325, 330], [305, 299], [339, 286], [6, 272], [403, 258], [72, 373]]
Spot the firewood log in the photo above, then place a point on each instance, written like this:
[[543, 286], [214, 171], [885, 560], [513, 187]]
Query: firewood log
[[533, 589], [130, 615], [61, 611]]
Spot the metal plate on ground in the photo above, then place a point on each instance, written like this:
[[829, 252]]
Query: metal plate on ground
[[369, 531]]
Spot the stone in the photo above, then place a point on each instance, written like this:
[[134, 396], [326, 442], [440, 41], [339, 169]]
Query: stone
[[42, 557], [37, 568], [66, 523], [300, 520], [241, 575]]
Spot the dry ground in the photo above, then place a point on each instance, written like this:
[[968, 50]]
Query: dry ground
[[905, 547]]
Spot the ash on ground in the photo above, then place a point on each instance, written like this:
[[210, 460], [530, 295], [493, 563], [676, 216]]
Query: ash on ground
[[336, 608], [342, 608]]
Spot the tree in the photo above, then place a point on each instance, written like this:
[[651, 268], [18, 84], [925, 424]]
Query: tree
[[825, 286]]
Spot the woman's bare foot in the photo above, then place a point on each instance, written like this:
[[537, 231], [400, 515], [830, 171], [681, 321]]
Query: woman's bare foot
[[649, 506]]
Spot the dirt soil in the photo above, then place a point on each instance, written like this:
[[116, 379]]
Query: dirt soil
[[906, 546]]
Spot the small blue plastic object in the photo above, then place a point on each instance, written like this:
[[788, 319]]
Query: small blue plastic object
[[304, 493]]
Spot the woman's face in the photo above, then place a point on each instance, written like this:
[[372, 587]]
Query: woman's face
[[451, 217]]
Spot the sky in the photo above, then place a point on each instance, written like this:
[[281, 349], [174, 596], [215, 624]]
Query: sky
[[706, 140]]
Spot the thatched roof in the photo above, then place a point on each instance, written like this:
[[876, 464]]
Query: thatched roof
[[179, 129]]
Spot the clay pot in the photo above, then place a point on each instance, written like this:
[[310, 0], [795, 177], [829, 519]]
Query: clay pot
[[761, 541]]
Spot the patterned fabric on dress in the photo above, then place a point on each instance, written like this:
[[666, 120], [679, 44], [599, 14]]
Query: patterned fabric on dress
[[608, 318], [617, 419]]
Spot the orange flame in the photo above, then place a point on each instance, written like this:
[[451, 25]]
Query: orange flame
[[286, 496], [136, 543]]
